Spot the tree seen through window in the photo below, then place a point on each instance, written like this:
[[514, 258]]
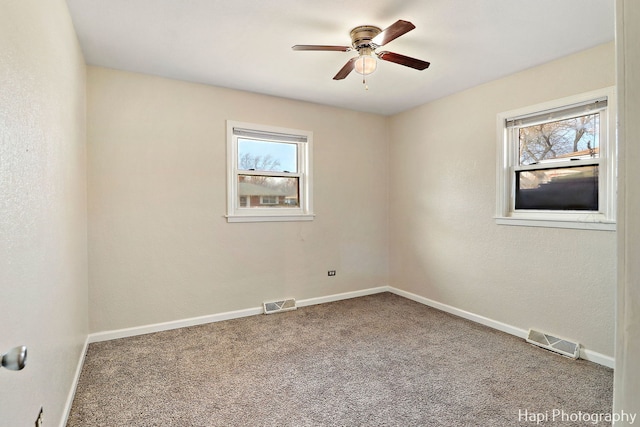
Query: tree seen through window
[[575, 137]]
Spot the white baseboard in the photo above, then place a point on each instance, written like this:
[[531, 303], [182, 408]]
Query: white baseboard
[[338, 297], [598, 358], [165, 326], [74, 385], [585, 354], [521, 333]]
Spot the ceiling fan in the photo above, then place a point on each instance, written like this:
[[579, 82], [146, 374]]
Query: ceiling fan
[[365, 39]]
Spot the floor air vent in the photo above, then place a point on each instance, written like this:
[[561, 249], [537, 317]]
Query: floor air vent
[[278, 306], [558, 345]]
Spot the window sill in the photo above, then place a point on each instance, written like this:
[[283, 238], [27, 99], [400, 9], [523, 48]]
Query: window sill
[[269, 218], [557, 223]]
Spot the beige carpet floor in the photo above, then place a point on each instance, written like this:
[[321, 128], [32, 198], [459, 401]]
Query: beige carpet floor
[[379, 360]]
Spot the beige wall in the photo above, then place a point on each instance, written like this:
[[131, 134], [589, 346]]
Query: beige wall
[[159, 247], [627, 376], [444, 242], [43, 239]]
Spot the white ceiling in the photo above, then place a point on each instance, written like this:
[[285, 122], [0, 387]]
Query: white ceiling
[[246, 44]]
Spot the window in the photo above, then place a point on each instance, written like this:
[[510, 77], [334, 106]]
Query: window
[[268, 173], [556, 163], [270, 200]]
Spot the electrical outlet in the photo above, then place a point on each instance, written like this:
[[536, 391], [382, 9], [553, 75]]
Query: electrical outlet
[[40, 419], [331, 273]]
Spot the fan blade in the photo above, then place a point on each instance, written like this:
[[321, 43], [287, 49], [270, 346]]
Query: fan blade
[[392, 32], [321, 47], [403, 60], [344, 71]]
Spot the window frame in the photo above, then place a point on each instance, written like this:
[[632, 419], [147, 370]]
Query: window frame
[[508, 163], [304, 141]]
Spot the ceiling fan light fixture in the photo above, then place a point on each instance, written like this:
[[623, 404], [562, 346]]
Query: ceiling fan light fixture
[[366, 62]]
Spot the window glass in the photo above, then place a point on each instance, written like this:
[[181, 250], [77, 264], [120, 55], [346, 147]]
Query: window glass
[[570, 189], [267, 156], [576, 137], [255, 191]]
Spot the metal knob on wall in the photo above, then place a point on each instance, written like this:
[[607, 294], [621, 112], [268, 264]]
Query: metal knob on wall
[[15, 359]]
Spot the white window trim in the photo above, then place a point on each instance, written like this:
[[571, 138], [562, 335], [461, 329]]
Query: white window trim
[[604, 219], [304, 212]]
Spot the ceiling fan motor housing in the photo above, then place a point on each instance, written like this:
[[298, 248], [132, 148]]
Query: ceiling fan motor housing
[[361, 36]]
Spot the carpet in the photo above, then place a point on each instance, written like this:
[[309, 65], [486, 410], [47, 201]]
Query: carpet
[[378, 360]]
